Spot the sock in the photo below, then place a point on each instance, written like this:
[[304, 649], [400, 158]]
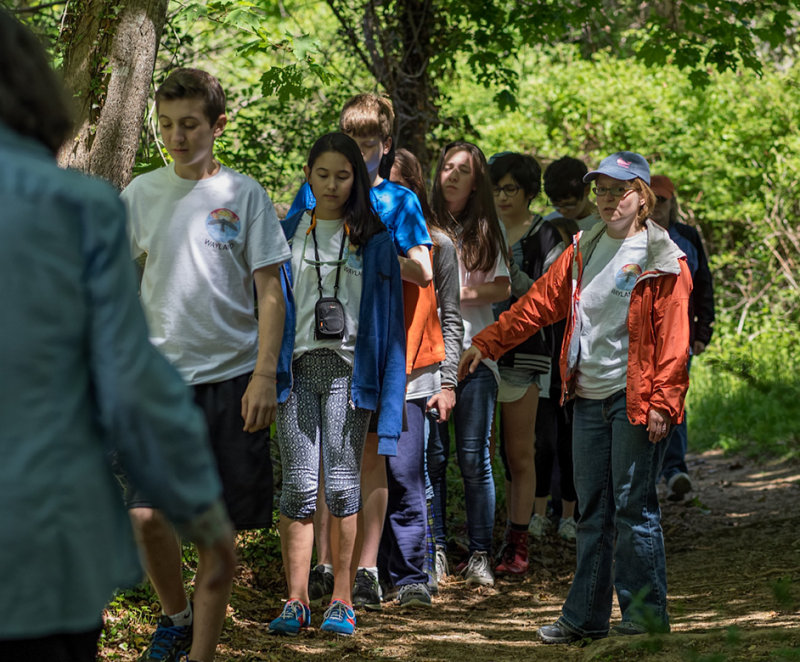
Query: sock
[[184, 617], [519, 527], [327, 567]]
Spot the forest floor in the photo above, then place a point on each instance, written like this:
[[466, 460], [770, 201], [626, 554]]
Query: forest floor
[[733, 561]]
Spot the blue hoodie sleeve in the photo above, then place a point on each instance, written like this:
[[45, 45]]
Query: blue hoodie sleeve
[[379, 376], [303, 200]]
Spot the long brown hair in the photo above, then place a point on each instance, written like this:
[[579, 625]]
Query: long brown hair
[[476, 227]]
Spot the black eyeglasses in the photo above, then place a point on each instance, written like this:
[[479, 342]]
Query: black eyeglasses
[[509, 189]]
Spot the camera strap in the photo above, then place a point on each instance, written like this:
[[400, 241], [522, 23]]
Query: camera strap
[[317, 262]]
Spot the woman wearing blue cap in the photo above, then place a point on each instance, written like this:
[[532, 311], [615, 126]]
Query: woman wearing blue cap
[[623, 287]]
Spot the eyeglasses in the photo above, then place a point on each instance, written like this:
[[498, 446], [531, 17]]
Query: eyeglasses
[[615, 191], [509, 189], [562, 204]]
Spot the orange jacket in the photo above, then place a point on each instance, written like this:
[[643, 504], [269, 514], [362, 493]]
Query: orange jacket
[[424, 341], [658, 326]]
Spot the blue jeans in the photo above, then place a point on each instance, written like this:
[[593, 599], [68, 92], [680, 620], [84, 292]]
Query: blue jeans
[[620, 542], [677, 445], [472, 420], [403, 543]]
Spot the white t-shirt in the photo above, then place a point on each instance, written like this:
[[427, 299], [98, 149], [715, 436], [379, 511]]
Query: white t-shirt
[[203, 240], [607, 283], [478, 316], [306, 290]]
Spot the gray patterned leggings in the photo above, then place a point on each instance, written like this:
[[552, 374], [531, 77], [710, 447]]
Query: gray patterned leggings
[[319, 416]]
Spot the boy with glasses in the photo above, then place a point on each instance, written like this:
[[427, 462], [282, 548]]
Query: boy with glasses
[[568, 194]]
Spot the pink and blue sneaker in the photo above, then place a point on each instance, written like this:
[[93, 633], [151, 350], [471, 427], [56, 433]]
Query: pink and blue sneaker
[[293, 618], [339, 618]]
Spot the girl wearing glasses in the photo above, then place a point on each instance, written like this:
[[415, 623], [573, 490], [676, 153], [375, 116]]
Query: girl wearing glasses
[[343, 355], [623, 287], [463, 208]]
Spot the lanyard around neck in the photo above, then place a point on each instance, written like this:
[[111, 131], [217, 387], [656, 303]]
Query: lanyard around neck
[[312, 230]]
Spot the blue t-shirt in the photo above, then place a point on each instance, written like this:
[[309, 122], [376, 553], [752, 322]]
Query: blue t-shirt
[[398, 208]]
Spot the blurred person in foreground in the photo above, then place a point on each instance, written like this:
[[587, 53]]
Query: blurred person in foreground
[[81, 382], [701, 320]]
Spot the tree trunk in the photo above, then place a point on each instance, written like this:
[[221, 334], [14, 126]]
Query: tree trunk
[[109, 55], [413, 94]]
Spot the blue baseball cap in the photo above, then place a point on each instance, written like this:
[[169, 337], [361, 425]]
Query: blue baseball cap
[[621, 165]]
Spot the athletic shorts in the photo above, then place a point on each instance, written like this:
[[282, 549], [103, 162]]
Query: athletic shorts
[[243, 458]]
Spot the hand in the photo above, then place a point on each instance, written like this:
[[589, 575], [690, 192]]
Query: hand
[[222, 562], [658, 425], [698, 347], [470, 360], [444, 401], [259, 403]]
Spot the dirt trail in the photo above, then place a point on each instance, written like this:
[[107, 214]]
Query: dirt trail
[[733, 559]]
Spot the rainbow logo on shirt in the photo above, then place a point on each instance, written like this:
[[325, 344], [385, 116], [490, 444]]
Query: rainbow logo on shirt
[[223, 225], [626, 277]]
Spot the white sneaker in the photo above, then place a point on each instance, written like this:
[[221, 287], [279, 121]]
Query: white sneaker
[[479, 570], [441, 566], [568, 529], [679, 485], [539, 526]]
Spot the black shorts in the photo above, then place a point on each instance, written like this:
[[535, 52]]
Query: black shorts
[[243, 458], [70, 647]]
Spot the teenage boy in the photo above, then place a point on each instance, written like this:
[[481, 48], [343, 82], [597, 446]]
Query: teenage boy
[[369, 120], [209, 235], [569, 195]]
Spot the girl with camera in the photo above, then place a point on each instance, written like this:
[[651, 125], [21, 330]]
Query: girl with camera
[[342, 358]]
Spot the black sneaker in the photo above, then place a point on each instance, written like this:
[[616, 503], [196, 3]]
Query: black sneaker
[[366, 591], [169, 642], [679, 486], [320, 586]]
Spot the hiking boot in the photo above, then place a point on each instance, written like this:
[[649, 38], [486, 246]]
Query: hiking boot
[[568, 529], [678, 485], [295, 615], [366, 591], [414, 595], [557, 634], [539, 526], [514, 555], [478, 570], [442, 567], [339, 618], [169, 642], [627, 628], [320, 585]]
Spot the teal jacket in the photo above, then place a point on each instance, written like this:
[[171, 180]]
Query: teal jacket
[[379, 365], [80, 382]]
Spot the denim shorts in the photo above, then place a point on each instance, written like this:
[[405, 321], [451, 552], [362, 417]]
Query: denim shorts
[[514, 383]]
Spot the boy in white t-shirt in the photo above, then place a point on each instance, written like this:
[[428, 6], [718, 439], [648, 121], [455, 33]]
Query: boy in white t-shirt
[[212, 244]]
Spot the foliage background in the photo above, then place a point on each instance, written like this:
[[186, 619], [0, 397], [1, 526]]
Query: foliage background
[[731, 145]]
